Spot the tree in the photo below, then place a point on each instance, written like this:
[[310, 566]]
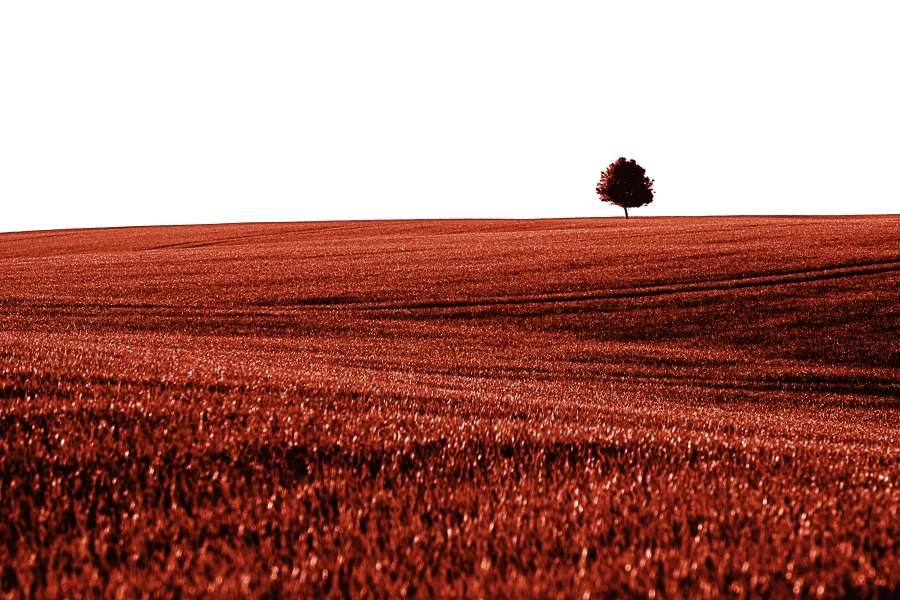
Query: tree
[[625, 184]]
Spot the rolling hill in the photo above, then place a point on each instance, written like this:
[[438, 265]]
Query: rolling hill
[[548, 408]]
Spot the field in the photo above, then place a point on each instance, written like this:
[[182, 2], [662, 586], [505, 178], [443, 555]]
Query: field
[[659, 407]]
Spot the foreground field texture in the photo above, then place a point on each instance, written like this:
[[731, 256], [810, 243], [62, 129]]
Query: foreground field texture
[[559, 408]]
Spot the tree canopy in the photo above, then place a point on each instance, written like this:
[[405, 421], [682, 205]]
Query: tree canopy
[[625, 184]]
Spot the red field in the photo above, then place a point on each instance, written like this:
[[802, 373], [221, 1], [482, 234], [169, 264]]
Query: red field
[[560, 408]]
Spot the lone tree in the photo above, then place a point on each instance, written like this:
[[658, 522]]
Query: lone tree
[[625, 184]]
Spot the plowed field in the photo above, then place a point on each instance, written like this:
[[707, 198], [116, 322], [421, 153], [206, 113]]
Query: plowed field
[[659, 407]]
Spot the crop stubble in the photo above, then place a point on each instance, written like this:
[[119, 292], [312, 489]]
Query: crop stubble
[[557, 408]]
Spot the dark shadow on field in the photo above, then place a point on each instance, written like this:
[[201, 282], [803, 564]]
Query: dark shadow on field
[[766, 280]]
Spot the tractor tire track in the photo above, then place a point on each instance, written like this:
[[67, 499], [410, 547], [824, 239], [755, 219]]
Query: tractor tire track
[[752, 281]]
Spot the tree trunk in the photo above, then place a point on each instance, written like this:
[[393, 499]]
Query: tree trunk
[[626, 212]]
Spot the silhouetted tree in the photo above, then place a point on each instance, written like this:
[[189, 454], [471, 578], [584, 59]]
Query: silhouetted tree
[[625, 184]]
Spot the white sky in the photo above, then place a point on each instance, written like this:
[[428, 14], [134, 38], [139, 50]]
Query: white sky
[[166, 112]]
